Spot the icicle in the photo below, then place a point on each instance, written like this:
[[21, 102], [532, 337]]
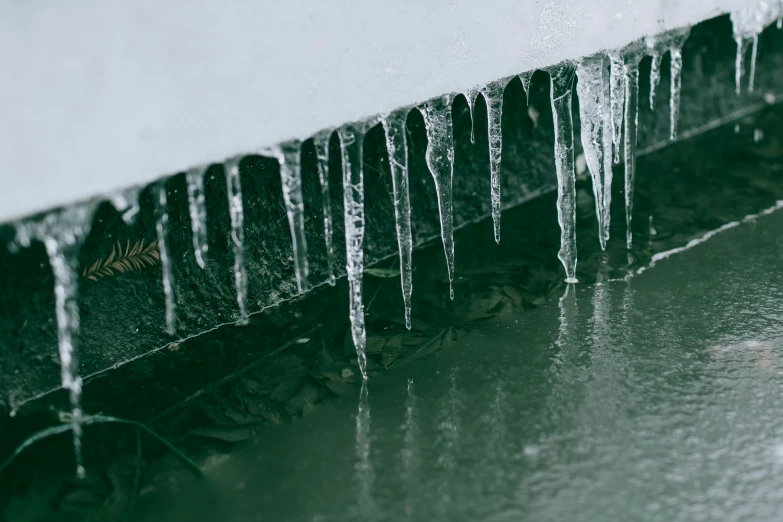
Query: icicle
[[753, 55], [617, 94], [397, 148], [592, 90], [471, 95], [779, 23], [321, 142], [162, 227], [677, 40], [353, 198], [236, 211], [493, 95], [440, 160], [631, 74], [63, 234], [561, 79], [747, 24], [197, 207], [738, 64], [655, 76], [289, 155], [525, 79], [127, 202]]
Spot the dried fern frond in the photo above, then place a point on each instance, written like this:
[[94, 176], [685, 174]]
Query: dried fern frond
[[124, 260]]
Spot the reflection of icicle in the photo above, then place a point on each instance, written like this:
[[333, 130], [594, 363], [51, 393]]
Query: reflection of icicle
[[594, 114], [631, 73], [397, 148], [561, 79], [289, 156], [365, 473], [162, 228], [525, 79], [127, 202], [440, 160], [471, 95], [236, 212], [351, 142], [410, 451], [617, 94], [198, 213], [62, 234], [493, 95], [321, 142]]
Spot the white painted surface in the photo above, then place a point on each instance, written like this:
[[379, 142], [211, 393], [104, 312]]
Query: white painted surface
[[98, 95]]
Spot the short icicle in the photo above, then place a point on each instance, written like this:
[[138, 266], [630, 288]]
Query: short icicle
[[493, 95], [321, 142], [655, 76], [592, 90], [747, 24], [631, 74], [351, 143], [289, 156], [162, 228], [126, 201], [677, 40], [237, 214], [197, 209], [561, 80], [754, 48], [397, 148], [62, 234], [617, 95], [440, 160]]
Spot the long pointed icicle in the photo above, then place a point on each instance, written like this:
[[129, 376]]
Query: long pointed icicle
[[675, 49], [289, 155], [197, 209], [631, 74], [493, 95], [321, 142], [617, 94], [440, 160], [747, 25], [162, 228], [525, 79], [593, 108], [353, 199], [655, 76], [62, 235], [561, 79], [237, 214], [471, 95], [397, 148]]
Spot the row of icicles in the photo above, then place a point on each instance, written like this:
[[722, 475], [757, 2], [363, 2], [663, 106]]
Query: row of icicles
[[608, 101]]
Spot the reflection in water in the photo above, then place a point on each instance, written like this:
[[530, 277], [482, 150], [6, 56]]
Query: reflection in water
[[447, 445], [410, 452], [365, 474]]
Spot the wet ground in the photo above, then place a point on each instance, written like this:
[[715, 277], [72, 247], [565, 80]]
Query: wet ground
[[648, 398]]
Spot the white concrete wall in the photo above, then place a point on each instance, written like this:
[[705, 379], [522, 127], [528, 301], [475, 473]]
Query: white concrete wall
[[97, 95]]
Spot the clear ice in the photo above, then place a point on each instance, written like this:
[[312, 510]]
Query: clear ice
[[397, 149], [592, 88], [525, 79], [197, 209], [631, 75], [747, 25], [655, 70], [440, 160], [62, 234], [561, 79], [162, 228], [676, 41], [471, 96], [289, 155], [126, 201], [351, 142], [617, 97], [237, 214], [321, 142], [493, 95]]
